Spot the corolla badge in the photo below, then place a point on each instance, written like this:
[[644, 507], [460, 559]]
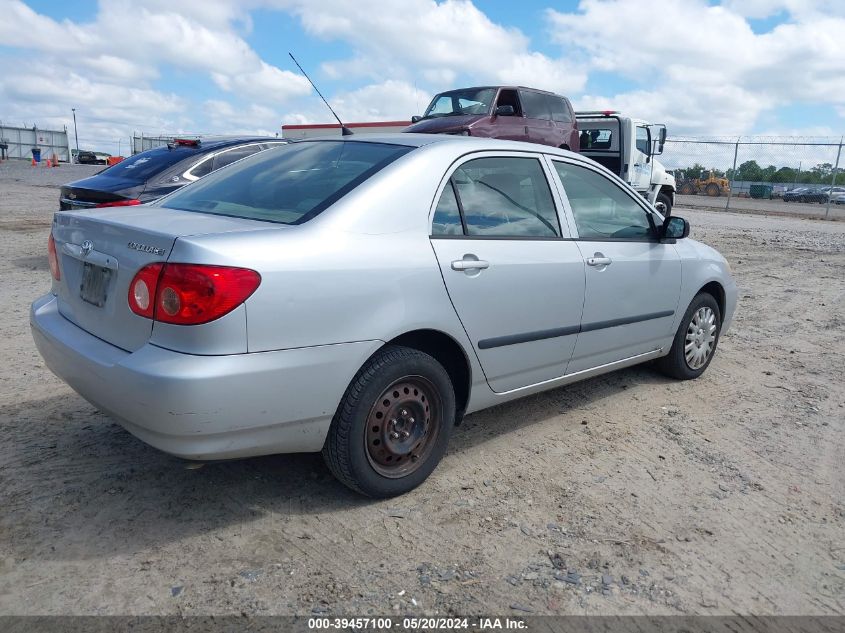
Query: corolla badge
[[87, 247], [144, 248]]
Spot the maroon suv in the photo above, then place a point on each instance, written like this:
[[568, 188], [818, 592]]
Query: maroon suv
[[509, 112]]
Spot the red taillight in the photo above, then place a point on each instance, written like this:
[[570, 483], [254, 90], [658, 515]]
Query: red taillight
[[142, 290], [190, 294], [54, 259], [119, 203]]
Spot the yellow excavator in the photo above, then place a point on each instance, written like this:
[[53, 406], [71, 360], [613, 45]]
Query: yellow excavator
[[708, 184]]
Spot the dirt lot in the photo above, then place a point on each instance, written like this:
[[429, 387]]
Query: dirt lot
[[628, 493], [769, 207]]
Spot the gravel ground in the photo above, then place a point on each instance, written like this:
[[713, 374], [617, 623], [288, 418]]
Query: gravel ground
[[625, 494]]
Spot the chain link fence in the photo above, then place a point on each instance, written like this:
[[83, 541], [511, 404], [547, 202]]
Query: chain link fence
[[728, 172]]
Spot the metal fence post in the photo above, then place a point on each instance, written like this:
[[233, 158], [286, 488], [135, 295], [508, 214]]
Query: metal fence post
[[733, 175], [833, 178]]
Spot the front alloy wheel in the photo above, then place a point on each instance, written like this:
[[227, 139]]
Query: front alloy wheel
[[701, 338], [695, 339]]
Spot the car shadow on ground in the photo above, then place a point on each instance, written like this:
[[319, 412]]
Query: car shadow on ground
[[103, 492]]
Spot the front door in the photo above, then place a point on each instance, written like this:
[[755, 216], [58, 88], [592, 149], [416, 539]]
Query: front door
[[633, 280], [509, 127], [516, 284], [641, 159]]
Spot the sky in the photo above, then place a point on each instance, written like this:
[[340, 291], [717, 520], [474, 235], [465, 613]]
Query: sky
[[736, 67]]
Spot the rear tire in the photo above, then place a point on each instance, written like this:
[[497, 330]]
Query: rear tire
[[695, 341], [393, 424]]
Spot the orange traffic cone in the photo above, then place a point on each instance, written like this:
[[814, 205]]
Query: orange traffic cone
[[33, 163], [48, 163], [55, 160]]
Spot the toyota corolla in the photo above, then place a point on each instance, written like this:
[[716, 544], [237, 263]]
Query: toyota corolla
[[359, 296]]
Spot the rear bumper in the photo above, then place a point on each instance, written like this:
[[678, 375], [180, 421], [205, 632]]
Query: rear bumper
[[203, 407]]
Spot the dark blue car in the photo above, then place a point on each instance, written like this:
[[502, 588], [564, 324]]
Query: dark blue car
[[152, 174]]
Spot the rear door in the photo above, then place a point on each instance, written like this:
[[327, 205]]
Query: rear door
[[514, 279], [633, 280], [538, 118]]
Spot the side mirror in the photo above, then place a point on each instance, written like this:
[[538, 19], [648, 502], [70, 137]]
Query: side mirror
[[416, 118], [662, 139], [674, 228], [505, 110]]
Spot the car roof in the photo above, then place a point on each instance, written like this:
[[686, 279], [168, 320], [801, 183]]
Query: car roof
[[216, 142], [461, 144], [505, 86]]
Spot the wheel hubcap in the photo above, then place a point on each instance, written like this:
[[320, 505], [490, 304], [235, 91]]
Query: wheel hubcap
[[700, 338], [403, 426]]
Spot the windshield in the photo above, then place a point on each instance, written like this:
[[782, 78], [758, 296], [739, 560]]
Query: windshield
[[469, 101], [147, 164], [290, 184]]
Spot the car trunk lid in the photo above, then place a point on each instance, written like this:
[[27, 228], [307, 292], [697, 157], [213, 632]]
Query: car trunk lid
[[89, 192], [100, 252]]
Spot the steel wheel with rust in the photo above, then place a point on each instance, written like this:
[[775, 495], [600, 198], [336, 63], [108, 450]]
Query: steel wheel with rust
[[393, 424]]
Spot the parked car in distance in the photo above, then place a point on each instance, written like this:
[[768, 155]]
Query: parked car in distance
[[839, 199], [831, 193], [504, 112], [89, 158], [392, 284], [795, 195], [814, 195], [156, 172]]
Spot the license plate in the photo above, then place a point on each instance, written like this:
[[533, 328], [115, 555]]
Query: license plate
[[95, 283]]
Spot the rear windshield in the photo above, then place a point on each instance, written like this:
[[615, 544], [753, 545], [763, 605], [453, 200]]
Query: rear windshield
[[147, 164], [290, 184]]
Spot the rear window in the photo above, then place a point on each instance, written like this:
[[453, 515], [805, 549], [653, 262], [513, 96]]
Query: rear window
[[289, 185], [147, 164], [534, 105]]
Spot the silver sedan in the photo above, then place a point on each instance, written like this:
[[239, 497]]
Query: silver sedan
[[360, 296]]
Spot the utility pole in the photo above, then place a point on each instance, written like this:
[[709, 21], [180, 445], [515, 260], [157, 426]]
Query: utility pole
[[833, 178], [75, 134]]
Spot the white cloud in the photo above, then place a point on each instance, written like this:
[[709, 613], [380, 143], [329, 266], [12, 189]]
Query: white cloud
[[433, 40], [387, 101], [702, 68]]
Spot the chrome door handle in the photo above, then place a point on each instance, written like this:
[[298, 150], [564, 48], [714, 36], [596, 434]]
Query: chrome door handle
[[470, 264], [599, 261]]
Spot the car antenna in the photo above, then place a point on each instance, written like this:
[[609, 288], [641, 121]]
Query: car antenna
[[345, 131]]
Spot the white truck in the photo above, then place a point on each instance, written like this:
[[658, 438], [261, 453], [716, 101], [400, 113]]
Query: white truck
[[627, 147]]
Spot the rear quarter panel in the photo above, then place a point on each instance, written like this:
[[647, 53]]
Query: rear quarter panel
[[362, 270]]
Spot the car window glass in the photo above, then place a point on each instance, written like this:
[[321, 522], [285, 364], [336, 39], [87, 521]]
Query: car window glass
[[230, 156], [534, 105], [642, 139], [143, 166], [506, 197], [601, 138], [447, 217], [291, 184], [602, 209], [201, 169], [558, 108]]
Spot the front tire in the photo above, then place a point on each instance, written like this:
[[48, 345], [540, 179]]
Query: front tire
[[666, 201], [713, 190], [393, 425], [695, 341]]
